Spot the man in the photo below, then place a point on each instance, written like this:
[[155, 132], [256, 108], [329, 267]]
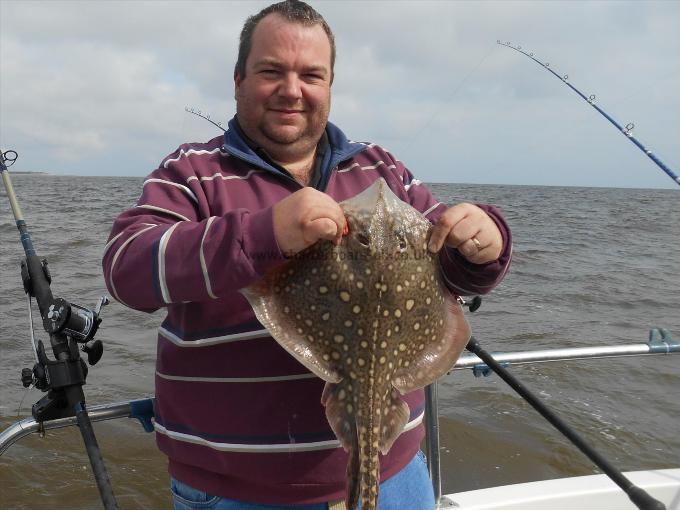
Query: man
[[239, 419]]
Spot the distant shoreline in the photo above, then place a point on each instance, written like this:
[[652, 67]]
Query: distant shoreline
[[428, 183]]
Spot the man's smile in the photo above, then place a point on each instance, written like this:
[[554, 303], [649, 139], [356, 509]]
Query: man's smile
[[285, 111]]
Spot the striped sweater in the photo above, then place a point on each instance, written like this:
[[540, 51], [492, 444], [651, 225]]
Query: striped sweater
[[236, 415]]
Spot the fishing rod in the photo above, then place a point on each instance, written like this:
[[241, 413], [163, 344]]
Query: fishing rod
[[204, 116], [638, 496], [627, 130], [67, 325]]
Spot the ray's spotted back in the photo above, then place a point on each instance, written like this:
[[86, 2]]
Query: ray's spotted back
[[372, 318]]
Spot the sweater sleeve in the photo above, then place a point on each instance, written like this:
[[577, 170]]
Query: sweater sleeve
[[462, 277], [169, 249]]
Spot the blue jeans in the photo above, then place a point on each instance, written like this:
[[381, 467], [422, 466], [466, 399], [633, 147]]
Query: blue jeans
[[409, 489]]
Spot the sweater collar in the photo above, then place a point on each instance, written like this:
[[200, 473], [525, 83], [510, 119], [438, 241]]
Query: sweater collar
[[341, 149]]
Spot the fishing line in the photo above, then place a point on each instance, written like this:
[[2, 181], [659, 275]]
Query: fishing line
[[627, 130], [34, 350], [21, 404], [438, 111], [642, 89], [417, 132]]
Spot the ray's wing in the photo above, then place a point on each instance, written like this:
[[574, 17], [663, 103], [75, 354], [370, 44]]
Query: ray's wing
[[278, 316], [438, 357]]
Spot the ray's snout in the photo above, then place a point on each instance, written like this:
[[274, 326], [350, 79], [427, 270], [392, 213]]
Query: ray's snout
[[375, 219]]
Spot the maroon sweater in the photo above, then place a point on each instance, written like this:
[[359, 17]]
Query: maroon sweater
[[236, 415]]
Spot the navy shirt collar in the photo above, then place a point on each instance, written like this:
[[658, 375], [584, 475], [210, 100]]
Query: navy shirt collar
[[333, 149]]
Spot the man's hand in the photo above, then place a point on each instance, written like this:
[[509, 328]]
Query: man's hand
[[470, 230], [304, 217]]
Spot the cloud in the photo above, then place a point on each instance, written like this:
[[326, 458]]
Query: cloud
[[100, 87]]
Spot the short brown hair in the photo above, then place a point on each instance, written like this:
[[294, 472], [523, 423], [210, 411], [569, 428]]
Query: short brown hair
[[292, 10]]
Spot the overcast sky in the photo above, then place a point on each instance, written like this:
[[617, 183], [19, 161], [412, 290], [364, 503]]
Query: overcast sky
[[99, 88]]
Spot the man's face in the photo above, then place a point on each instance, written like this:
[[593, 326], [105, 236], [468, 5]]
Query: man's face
[[283, 101]]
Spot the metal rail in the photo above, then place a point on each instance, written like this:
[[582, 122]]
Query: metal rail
[[474, 363], [139, 409], [660, 342]]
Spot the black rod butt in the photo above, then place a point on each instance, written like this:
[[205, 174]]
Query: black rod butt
[[643, 500]]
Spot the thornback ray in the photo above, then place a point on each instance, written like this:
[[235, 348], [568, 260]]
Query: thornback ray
[[372, 318]]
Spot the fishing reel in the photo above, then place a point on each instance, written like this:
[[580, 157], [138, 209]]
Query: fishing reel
[[472, 305], [67, 324], [78, 325], [62, 317]]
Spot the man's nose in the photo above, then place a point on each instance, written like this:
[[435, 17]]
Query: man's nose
[[290, 87]]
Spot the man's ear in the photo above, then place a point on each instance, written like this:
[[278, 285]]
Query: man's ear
[[237, 82]]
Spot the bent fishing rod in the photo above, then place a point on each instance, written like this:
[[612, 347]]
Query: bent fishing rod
[[67, 325], [637, 495], [627, 130]]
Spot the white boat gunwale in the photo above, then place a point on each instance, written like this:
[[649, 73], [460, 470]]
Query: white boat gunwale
[[589, 492]]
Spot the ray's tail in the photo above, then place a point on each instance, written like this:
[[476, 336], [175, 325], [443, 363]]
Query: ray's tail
[[369, 470], [363, 468]]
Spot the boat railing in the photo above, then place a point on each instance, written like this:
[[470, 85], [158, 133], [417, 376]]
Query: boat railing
[[660, 342]]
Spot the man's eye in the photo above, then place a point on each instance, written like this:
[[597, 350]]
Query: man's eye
[[313, 77]]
